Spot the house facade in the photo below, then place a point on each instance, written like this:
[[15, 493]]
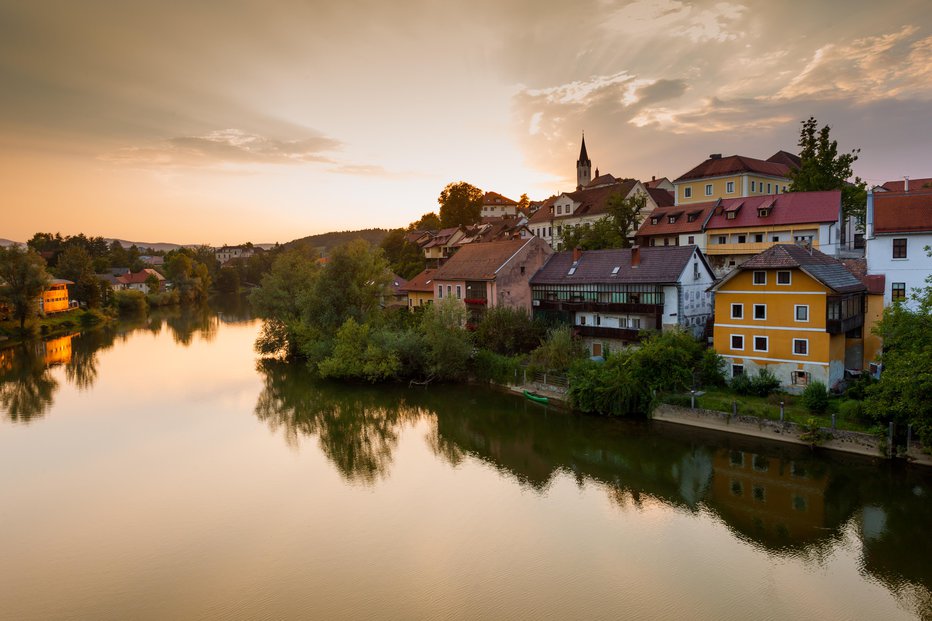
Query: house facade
[[610, 296], [139, 281], [226, 253], [733, 176], [420, 289], [899, 227], [491, 274], [54, 299], [494, 205], [792, 310]]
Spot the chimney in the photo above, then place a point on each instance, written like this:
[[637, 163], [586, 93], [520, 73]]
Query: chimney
[[635, 256], [715, 156], [906, 184], [653, 177], [577, 254]]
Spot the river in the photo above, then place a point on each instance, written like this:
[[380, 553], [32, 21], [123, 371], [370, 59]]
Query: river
[[159, 470]]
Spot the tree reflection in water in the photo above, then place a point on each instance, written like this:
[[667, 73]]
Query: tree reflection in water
[[27, 388], [785, 500]]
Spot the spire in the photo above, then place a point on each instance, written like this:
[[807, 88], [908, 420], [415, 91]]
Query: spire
[[583, 156]]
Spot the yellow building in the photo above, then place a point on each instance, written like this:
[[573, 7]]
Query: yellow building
[[420, 289], [734, 176], [792, 310], [55, 298]]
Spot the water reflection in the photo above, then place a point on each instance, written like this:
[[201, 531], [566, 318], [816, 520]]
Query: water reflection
[[782, 499], [27, 387]]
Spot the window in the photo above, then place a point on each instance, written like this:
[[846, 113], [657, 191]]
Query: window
[[784, 277], [690, 217], [760, 463], [760, 311], [666, 241], [737, 342], [761, 343], [736, 458], [549, 231], [522, 270], [802, 312], [723, 239], [622, 322], [899, 291], [763, 213], [758, 238], [440, 291], [695, 271], [654, 220], [459, 292], [768, 188], [776, 238], [671, 219], [691, 240], [582, 320], [899, 248], [730, 187], [708, 189], [635, 323], [730, 215], [742, 239], [687, 192], [737, 369], [737, 488], [759, 494], [559, 210], [559, 230], [754, 186], [737, 311], [653, 242], [801, 347], [799, 503], [800, 378], [760, 278]]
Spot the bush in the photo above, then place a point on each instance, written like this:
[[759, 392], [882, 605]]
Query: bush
[[815, 397], [610, 387], [492, 367], [559, 350], [741, 384], [678, 399], [857, 387], [129, 302], [764, 383], [508, 331], [92, 318], [849, 409]]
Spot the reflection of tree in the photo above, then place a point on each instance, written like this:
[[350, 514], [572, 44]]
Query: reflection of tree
[[186, 321], [27, 388], [233, 308], [356, 429]]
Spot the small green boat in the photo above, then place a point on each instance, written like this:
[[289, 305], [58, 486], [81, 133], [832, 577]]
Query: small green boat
[[533, 396]]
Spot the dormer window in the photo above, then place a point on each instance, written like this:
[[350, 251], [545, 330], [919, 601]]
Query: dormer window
[[671, 219], [690, 217], [559, 210], [730, 215], [654, 220], [615, 270], [763, 212]]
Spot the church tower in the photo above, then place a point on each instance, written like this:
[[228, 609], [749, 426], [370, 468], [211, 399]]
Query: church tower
[[583, 167]]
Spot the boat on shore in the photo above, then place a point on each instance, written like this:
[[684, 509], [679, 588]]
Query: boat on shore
[[533, 396]]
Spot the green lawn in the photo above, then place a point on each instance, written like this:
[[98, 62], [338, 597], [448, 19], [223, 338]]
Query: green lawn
[[720, 399], [59, 323]]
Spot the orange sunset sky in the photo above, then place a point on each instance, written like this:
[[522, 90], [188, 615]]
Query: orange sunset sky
[[231, 121]]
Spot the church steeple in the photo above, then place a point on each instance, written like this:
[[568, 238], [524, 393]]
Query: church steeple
[[583, 166]]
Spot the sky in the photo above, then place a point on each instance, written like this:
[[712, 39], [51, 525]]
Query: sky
[[226, 121]]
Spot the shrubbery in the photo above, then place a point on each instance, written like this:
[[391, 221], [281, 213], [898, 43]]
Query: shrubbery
[[129, 302], [815, 397], [761, 385]]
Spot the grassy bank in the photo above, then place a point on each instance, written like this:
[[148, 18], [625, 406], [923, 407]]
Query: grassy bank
[[721, 400], [53, 325]]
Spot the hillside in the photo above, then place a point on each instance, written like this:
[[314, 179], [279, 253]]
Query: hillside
[[325, 242]]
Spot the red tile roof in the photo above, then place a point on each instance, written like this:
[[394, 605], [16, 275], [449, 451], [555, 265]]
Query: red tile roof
[[914, 184], [481, 261], [139, 277], [663, 198], [544, 213], [789, 208], [653, 183], [899, 212], [698, 211], [494, 198], [734, 164], [791, 160], [422, 282], [594, 201]]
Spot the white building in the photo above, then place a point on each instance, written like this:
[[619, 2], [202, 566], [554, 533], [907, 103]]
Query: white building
[[899, 228]]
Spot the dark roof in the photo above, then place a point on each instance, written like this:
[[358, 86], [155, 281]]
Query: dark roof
[[544, 212], [914, 184], [901, 212], [605, 179], [397, 284], [789, 208], [830, 272], [653, 183], [718, 166], [480, 261], [421, 282], [658, 265], [663, 198], [790, 160], [583, 156]]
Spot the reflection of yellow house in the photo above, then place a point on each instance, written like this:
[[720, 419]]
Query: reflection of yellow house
[[6, 360], [55, 297], [793, 310], [732, 177], [420, 289], [57, 351], [768, 497]]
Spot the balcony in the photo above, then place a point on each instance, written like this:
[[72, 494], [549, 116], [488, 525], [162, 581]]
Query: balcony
[[620, 334], [841, 326], [590, 306], [746, 248]]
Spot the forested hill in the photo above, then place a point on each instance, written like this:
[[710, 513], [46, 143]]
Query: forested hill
[[325, 242]]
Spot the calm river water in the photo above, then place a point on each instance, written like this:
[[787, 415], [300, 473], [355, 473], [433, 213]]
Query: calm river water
[[161, 471]]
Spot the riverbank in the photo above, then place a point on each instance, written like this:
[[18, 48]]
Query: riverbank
[[52, 326], [838, 440]]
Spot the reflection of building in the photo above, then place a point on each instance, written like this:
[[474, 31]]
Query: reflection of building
[[768, 497], [56, 351]]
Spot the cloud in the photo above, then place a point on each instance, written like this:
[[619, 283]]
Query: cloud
[[681, 19], [227, 146], [895, 64]]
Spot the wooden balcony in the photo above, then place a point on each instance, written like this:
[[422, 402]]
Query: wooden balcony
[[589, 306], [620, 334]]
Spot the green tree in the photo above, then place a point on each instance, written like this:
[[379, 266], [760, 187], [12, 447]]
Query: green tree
[[76, 264], [356, 355], [406, 259], [614, 230], [23, 278], [429, 222], [559, 350], [448, 343], [351, 285], [823, 168], [460, 204], [508, 331]]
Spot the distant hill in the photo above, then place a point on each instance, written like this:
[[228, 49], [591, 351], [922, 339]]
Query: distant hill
[[325, 242], [9, 242]]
